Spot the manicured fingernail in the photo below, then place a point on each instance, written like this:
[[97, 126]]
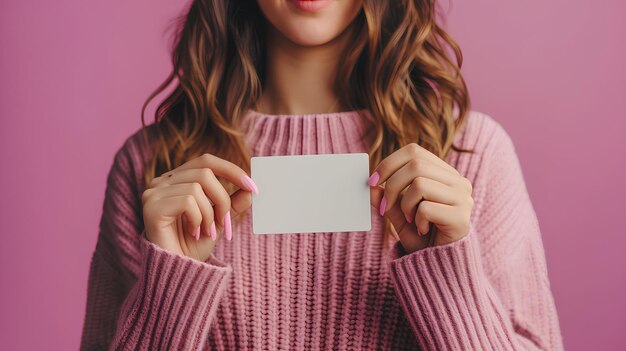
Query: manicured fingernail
[[383, 205], [250, 184], [228, 230], [197, 234], [213, 231], [419, 233], [374, 179], [408, 219]]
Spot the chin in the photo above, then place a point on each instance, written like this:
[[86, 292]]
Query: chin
[[313, 34]]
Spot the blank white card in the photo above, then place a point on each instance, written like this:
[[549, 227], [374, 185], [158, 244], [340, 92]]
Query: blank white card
[[311, 193]]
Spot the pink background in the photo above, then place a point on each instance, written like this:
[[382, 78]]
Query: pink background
[[75, 73]]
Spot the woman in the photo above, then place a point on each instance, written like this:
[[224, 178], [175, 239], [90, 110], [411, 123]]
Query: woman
[[454, 259]]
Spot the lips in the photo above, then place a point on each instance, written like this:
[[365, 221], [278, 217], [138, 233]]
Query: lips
[[310, 5]]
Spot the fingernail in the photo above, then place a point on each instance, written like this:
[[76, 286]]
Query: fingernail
[[197, 234], [250, 184], [419, 233], [383, 205], [228, 231], [213, 231], [408, 219], [374, 179]]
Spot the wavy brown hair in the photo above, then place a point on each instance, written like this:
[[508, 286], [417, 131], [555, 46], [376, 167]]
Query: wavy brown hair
[[397, 67]]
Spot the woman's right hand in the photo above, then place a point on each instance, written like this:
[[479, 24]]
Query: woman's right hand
[[185, 208]]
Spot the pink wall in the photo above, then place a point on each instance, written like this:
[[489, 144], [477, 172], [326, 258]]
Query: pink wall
[[75, 73]]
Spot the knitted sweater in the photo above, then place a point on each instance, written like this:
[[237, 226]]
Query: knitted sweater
[[327, 291]]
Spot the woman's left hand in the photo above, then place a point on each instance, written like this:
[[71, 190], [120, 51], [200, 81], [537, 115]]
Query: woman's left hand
[[416, 188]]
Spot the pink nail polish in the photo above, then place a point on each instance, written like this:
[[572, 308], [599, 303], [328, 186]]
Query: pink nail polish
[[197, 233], [418, 231], [374, 179], [383, 205], [250, 184], [228, 231], [213, 231]]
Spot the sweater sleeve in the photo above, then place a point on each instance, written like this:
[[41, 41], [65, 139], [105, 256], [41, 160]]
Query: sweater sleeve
[[139, 295], [489, 290]]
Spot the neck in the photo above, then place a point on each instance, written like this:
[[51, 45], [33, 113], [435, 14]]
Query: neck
[[300, 79]]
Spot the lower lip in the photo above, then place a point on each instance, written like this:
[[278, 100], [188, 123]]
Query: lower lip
[[311, 5]]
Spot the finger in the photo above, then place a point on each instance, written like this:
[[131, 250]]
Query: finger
[[220, 167], [172, 207], [405, 231], [394, 213], [402, 156], [211, 186], [428, 189], [376, 194], [413, 169], [440, 214], [196, 191], [239, 202], [422, 224]]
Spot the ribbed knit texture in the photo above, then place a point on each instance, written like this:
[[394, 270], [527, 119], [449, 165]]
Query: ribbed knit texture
[[327, 291]]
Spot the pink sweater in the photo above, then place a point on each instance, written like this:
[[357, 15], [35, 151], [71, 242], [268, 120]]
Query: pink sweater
[[331, 291]]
